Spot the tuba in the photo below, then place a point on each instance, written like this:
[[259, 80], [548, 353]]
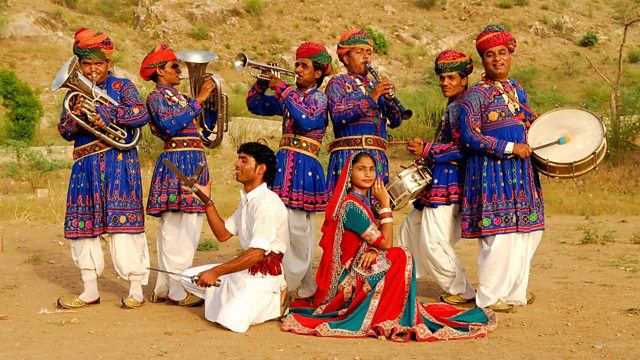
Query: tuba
[[242, 63], [71, 77], [196, 62]]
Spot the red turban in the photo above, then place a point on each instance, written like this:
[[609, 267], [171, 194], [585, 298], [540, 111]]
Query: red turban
[[316, 52], [492, 36], [450, 61], [352, 39], [92, 45], [158, 57]]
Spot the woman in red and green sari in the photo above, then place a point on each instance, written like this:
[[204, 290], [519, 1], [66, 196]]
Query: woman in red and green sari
[[367, 287]]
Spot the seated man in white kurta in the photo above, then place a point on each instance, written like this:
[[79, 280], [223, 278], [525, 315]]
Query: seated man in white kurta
[[250, 284]]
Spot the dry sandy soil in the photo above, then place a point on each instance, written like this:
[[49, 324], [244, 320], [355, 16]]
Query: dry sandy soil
[[587, 306]]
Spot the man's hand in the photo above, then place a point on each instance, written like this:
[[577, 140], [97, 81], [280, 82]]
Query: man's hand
[[205, 189], [205, 90], [98, 122], [367, 259], [208, 278], [383, 87], [521, 150], [275, 82], [415, 146]]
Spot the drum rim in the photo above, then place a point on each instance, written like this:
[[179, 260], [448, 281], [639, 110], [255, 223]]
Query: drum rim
[[543, 165]]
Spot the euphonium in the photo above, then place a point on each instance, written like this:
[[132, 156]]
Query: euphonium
[[196, 62], [242, 62], [71, 77]]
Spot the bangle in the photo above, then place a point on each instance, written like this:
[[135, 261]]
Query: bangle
[[387, 220], [384, 210], [209, 204], [386, 215], [374, 249]]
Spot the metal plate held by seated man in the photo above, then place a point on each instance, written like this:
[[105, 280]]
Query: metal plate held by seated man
[[585, 149], [407, 184]]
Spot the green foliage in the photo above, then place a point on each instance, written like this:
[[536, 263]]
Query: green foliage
[[521, 2], [544, 6], [592, 233], [199, 33], [635, 238], [33, 258], [588, 40], [380, 42], [505, 4], [71, 4], [427, 4], [428, 107], [119, 11], [253, 7], [30, 165], [23, 107], [208, 245], [3, 22], [633, 56]]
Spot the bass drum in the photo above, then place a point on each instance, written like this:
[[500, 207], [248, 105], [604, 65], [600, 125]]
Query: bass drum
[[586, 148], [407, 185]]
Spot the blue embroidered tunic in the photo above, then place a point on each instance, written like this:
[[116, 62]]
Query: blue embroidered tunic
[[354, 113], [299, 179], [172, 120], [446, 162], [105, 188], [502, 194]]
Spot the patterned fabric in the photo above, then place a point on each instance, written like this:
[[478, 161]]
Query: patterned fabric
[[502, 194], [92, 45], [156, 58], [271, 264], [353, 38], [450, 61], [354, 113], [317, 53], [300, 144], [172, 120], [91, 148], [358, 142], [446, 161], [105, 188], [379, 301], [300, 178], [492, 36]]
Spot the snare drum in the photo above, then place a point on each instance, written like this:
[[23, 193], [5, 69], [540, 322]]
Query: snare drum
[[586, 148], [407, 185]]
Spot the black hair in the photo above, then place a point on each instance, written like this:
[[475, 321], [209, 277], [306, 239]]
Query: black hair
[[319, 67], [154, 76], [360, 155], [263, 155]]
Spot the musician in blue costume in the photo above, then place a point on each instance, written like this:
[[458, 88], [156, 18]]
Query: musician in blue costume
[[180, 215], [432, 228], [300, 180], [502, 197], [360, 108], [104, 199]]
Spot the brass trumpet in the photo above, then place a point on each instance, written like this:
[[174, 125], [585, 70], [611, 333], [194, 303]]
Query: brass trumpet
[[196, 62], [91, 96], [242, 63]]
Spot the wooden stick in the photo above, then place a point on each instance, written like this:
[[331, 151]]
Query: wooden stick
[[398, 142]]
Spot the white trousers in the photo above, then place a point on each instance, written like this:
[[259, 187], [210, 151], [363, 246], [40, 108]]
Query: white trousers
[[129, 253], [241, 300], [503, 267], [431, 234], [177, 242], [298, 259]]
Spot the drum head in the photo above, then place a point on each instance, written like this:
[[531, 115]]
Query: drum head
[[585, 131]]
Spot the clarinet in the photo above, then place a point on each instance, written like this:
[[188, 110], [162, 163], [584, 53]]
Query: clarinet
[[405, 113]]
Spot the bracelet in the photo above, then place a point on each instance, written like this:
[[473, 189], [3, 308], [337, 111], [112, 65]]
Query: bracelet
[[374, 249], [387, 220], [386, 215], [384, 210], [209, 204]]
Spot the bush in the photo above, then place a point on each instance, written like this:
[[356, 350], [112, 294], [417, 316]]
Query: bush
[[522, 2], [30, 166], [588, 40], [380, 43], [427, 4], [633, 56], [505, 4], [635, 238], [23, 107], [199, 33], [253, 7]]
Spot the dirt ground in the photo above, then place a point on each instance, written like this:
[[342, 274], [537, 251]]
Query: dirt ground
[[587, 306]]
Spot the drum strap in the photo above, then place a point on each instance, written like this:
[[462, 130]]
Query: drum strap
[[522, 106]]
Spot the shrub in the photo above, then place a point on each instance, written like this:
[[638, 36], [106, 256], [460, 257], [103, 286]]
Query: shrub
[[592, 235], [207, 245], [588, 40], [427, 4], [30, 166], [199, 33], [253, 7], [505, 4], [544, 7], [380, 43], [71, 4], [23, 107], [633, 56], [522, 2], [635, 238]]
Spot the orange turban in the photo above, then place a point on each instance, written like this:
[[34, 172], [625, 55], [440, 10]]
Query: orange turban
[[92, 45], [158, 57], [353, 38]]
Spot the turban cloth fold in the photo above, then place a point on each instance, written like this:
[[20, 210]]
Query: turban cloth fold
[[92, 45], [316, 52], [156, 58], [454, 61], [353, 38], [492, 36]]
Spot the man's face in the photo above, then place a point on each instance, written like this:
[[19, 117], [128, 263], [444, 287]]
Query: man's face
[[497, 63], [355, 59], [170, 75], [306, 74], [95, 70], [247, 171], [452, 84]]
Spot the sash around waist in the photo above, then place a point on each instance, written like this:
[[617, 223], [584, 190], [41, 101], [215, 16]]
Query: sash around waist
[[91, 148], [183, 144], [300, 144], [358, 142]]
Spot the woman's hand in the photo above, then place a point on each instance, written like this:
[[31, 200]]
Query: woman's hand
[[381, 194], [367, 259]]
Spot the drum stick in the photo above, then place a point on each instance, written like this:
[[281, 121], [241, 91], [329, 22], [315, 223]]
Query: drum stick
[[398, 142], [561, 141]]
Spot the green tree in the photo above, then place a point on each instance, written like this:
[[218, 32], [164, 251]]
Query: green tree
[[23, 107]]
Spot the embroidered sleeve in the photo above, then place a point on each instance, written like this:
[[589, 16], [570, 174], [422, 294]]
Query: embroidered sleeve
[[471, 126], [308, 113], [347, 103], [357, 220], [259, 103], [131, 110], [170, 116], [67, 126], [390, 111], [448, 149]]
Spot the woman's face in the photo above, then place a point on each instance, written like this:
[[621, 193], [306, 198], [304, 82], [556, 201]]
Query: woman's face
[[363, 174]]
